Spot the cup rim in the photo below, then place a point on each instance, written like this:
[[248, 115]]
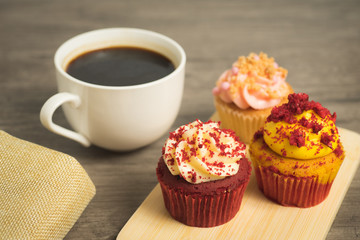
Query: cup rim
[[178, 47]]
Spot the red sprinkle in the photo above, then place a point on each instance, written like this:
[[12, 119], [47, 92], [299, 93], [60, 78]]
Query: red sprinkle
[[298, 103], [338, 151], [170, 162], [259, 134], [218, 164], [283, 152], [315, 126], [297, 138], [274, 169], [193, 176], [327, 139]]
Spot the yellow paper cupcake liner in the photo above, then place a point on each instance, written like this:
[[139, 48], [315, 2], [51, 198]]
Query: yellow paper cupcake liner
[[244, 122]]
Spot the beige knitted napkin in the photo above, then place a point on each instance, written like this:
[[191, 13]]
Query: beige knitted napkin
[[42, 192]]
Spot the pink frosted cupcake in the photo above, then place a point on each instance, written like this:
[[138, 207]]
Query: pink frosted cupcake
[[203, 173], [245, 94]]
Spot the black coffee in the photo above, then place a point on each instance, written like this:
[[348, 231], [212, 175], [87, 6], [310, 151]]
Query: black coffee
[[120, 66]]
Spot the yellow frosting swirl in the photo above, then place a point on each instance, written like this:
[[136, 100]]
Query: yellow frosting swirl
[[201, 152], [304, 134]]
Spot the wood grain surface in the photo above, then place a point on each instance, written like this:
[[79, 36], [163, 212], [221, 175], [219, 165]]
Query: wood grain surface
[[258, 218], [317, 41]]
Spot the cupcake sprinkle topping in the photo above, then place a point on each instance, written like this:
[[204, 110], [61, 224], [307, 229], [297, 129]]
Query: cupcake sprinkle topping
[[301, 129], [201, 152], [255, 81]]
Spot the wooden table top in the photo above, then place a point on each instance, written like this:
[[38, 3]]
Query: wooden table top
[[317, 41]]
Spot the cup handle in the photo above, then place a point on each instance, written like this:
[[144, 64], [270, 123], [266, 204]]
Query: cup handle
[[48, 109]]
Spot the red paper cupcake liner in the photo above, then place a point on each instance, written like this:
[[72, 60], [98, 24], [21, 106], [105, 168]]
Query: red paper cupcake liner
[[291, 191], [202, 211]]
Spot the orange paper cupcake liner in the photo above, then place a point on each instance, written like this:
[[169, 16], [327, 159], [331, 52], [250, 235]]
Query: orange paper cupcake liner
[[300, 192], [202, 211]]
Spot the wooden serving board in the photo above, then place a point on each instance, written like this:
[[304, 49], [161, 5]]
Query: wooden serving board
[[258, 218]]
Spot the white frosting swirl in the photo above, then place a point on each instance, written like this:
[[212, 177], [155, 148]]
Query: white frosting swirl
[[201, 152]]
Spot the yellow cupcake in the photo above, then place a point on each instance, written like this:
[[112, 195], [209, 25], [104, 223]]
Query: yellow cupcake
[[297, 155]]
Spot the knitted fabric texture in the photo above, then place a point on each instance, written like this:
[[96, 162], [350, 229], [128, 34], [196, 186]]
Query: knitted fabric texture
[[42, 192]]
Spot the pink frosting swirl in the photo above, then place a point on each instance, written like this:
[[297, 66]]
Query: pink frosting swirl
[[255, 81]]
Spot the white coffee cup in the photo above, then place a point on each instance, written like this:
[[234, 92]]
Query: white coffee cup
[[121, 117]]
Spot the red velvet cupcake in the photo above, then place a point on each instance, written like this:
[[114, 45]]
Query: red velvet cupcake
[[203, 174]]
